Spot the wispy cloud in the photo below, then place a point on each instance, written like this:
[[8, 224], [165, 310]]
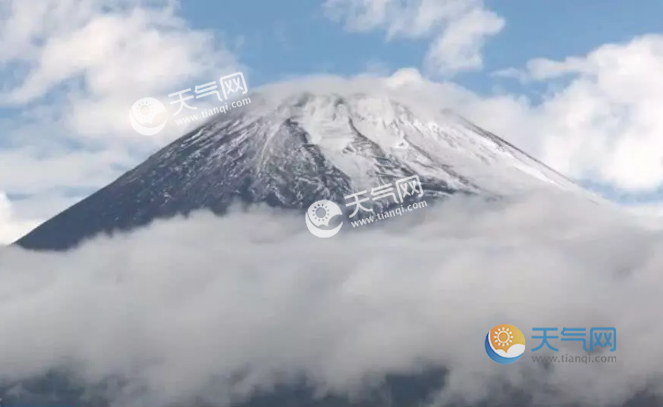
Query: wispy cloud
[[458, 28]]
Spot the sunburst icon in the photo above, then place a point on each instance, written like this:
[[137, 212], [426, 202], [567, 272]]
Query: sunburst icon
[[503, 337], [505, 344]]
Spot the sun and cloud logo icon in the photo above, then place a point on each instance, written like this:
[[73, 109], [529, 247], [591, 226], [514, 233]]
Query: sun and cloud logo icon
[[319, 214], [505, 344]]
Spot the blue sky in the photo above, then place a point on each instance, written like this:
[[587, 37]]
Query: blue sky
[[577, 84], [291, 38]]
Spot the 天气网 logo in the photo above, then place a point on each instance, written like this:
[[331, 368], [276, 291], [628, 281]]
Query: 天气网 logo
[[505, 344]]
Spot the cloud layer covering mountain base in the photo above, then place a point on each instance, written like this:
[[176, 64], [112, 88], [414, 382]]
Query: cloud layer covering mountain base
[[219, 307]]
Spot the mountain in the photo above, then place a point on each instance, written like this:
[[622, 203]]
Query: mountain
[[291, 152], [295, 150]]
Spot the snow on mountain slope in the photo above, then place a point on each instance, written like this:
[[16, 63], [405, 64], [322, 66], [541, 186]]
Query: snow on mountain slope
[[355, 133], [292, 151]]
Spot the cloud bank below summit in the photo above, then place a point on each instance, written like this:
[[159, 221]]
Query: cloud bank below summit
[[183, 306]]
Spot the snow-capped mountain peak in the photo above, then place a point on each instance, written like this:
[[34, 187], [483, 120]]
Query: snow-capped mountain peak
[[292, 151]]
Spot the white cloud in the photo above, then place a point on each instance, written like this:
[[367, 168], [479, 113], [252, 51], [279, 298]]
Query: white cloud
[[12, 227], [108, 59], [459, 28], [604, 124], [540, 69], [177, 314], [651, 214], [460, 47], [71, 70]]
